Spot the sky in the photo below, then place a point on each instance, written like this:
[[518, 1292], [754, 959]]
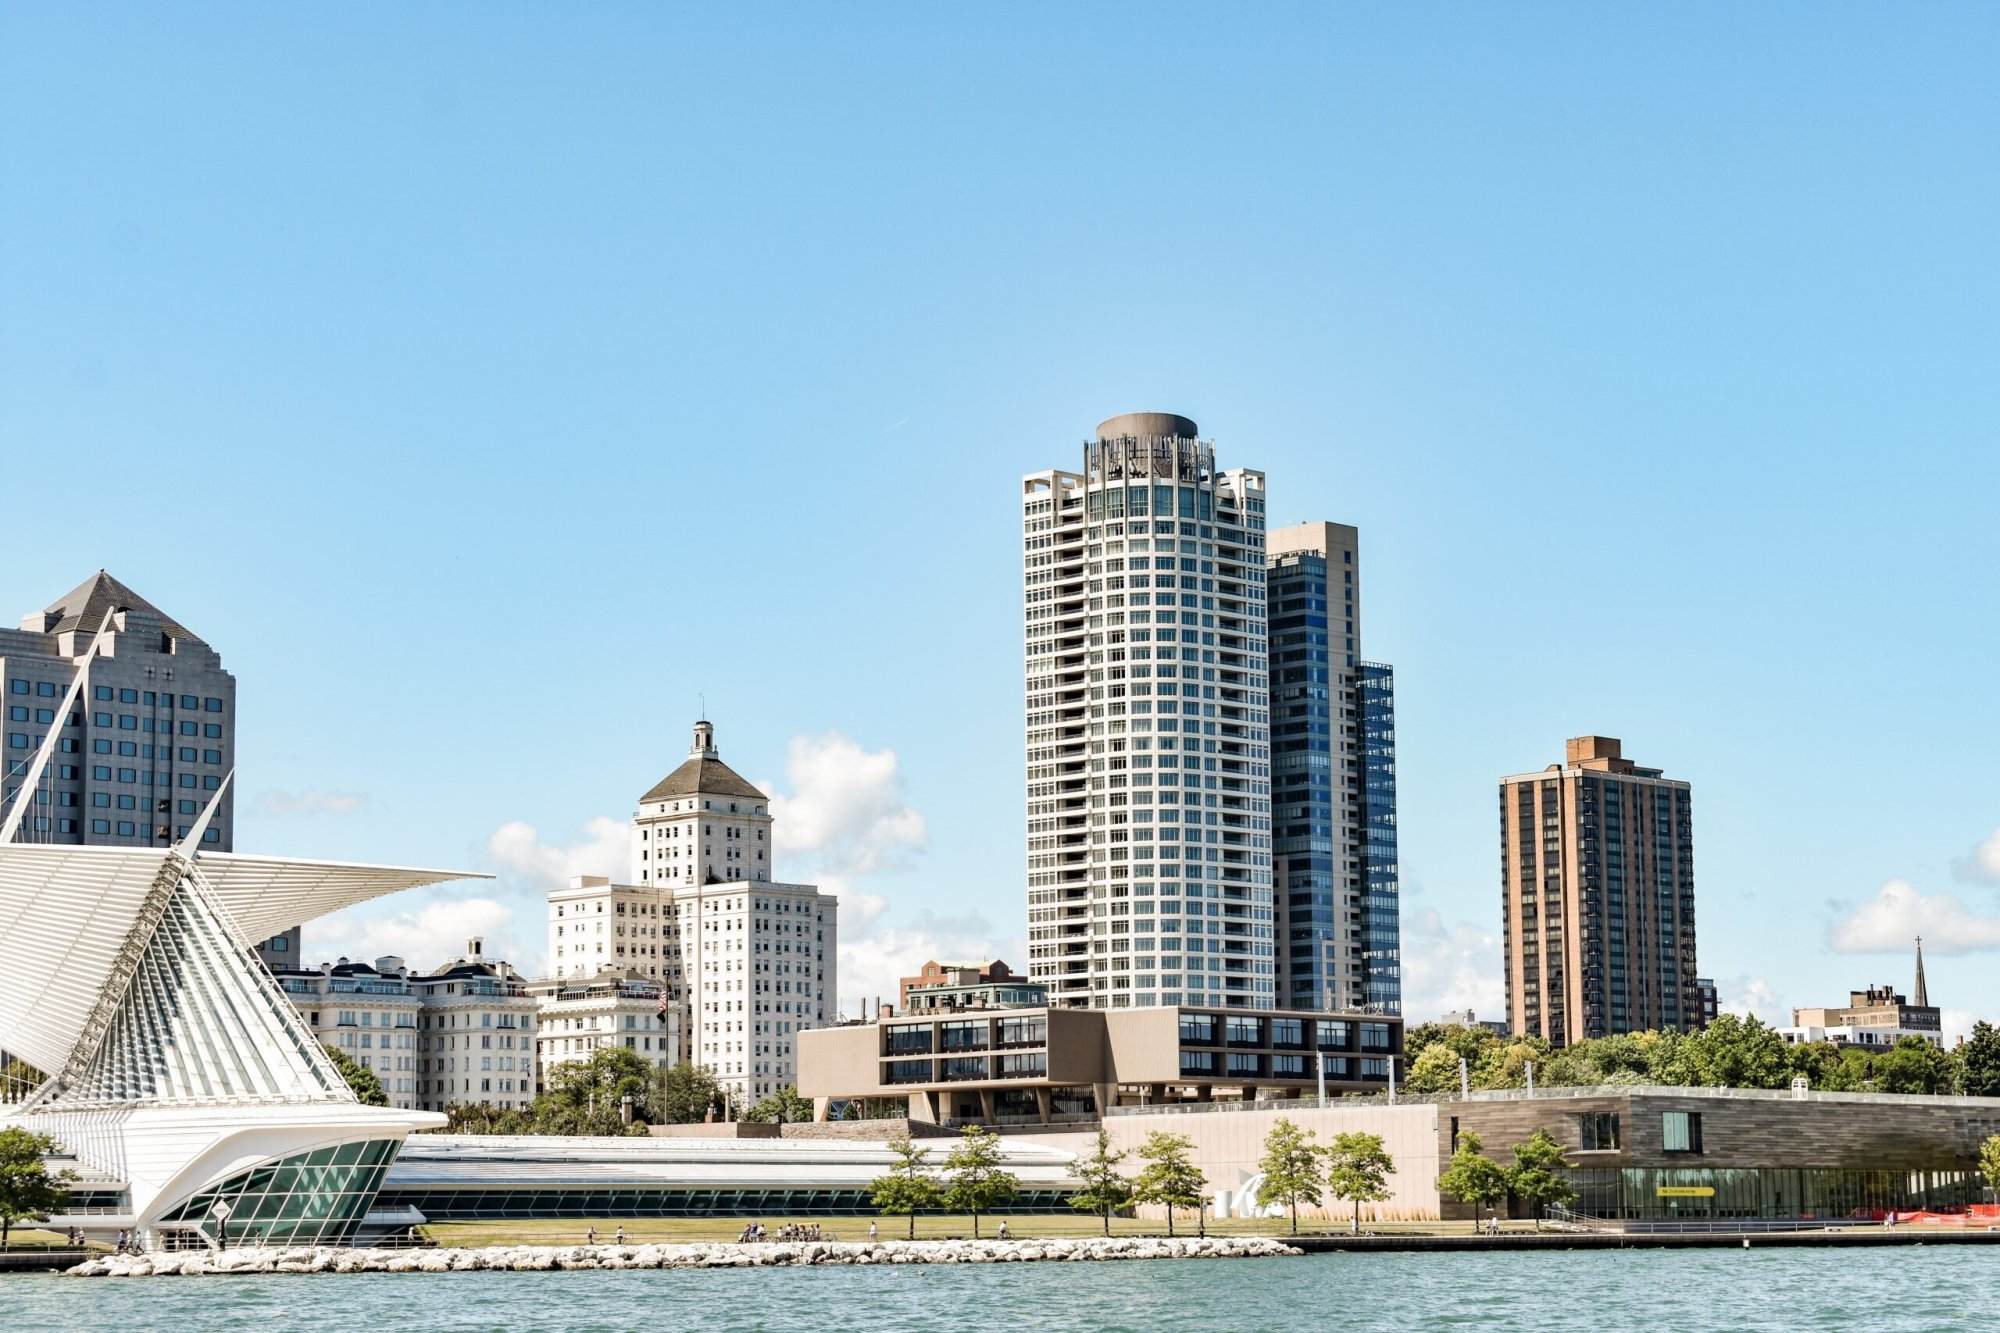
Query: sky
[[498, 387]]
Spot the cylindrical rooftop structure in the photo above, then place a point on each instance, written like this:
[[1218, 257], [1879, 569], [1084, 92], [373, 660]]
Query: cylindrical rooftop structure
[[1148, 425]]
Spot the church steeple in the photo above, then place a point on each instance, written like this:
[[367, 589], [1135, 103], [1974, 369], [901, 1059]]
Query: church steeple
[[1922, 998]]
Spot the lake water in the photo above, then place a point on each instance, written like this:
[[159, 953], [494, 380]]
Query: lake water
[[1928, 1287]]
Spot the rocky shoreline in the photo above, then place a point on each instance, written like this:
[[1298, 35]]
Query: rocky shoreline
[[544, 1258]]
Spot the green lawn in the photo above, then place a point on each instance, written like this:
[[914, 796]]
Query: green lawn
[[571, 1231]]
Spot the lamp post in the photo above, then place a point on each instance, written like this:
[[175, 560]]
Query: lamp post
[[220, 1211]]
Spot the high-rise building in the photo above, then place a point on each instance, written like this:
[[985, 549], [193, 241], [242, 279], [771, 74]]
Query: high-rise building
[[1148, 724], [147, 744], [1333, 781], [750, 962], [1381, 873], [1597, 868]]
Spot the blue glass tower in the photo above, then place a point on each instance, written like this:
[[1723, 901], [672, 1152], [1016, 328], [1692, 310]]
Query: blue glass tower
[[1333, 781]]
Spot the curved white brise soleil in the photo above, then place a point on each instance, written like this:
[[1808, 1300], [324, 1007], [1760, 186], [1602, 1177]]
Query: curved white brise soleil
[[25, 796]]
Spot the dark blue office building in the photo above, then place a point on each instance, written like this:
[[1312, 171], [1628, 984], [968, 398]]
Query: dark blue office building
[[1333, 781]]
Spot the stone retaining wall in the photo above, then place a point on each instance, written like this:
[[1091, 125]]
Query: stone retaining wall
[[542, 1258]]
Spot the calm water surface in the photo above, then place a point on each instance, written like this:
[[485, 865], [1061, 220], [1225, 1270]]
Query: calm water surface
[[1930, 1287]]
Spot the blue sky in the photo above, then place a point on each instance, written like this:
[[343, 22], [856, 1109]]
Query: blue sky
[[490, 383]]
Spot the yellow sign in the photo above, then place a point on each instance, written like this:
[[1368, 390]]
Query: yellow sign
[[1687, 1191]]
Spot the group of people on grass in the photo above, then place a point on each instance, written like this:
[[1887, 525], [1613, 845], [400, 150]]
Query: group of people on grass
[[755, 1231]]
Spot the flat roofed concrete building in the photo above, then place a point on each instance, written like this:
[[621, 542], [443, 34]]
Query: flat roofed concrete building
[[1597, 912], [935, 973], [612, 1010], [1874, 1018], [1147, 724], [1040, 1065]]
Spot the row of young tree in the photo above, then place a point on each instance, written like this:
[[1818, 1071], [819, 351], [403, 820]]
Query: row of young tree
[[1730, 1052], [1297, 1169], [973, 1180]]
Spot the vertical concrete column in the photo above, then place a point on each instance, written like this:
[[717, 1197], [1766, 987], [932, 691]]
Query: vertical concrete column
[[1106, 1095], [1204, 1092], [820, 1106], [986, 1109], [1044, 1104], [922, 1108]]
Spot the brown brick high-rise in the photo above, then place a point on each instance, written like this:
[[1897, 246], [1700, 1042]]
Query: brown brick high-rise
[[1597, 874]]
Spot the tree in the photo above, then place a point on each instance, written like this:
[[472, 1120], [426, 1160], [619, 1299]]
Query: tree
[[28, 1192], [361, 1080], [1913, 1065], [909, 1186], [1473, 1177], [1357, 1169], [1538, 1173], [1105, 1190], [1979, 1061], [976, 1179], [1737, 1052], [686, 1094], [1290, 1165], [1989, 1162], [591, 1093], [783, 1107], [1170, 1178], [1435, 1071]]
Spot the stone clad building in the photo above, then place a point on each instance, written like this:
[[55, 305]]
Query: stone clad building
[[749, 962]]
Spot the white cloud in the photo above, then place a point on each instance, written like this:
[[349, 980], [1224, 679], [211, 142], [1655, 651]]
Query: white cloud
[[846, 812], [517, 848], [1982, 863], [1891, 920], [1957, 1024], [282, 803], [1448, 967], [425, 936], [1752, 997], [874, 958]]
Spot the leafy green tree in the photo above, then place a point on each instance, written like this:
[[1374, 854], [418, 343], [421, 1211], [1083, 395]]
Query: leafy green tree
[[909, 1187], [361, 1080], [1291, 1169], [976, 1179], [1738, 1052], [1170, 1178], [1538, 1175], [1105, 1189], [783, 1107], [1989, 1162], [1913, 1065], [1473, 1177], [1357, 1169], [474, 1118], [1979, 1062], [591, 1092], [28, 1191], [1504, 1064], [1435, 1071], [686, 1094], [1830, 1068]]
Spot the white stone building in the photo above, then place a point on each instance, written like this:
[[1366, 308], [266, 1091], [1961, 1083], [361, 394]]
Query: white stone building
[[581, 1016], [1148, 724], [464, 1033], [750, 962]]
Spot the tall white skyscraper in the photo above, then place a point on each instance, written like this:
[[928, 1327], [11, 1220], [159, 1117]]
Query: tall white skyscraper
[[1148, 724]]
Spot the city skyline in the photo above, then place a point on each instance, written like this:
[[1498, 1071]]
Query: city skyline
[[1673, 430]]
